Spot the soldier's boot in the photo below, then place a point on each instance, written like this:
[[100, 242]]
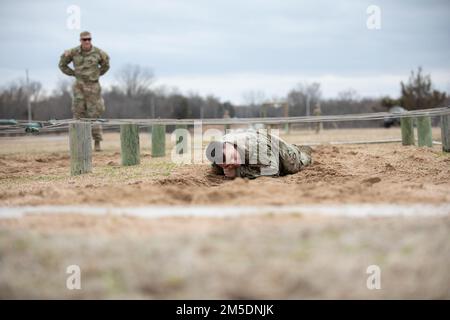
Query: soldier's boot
[[305, 154], [97, 146]]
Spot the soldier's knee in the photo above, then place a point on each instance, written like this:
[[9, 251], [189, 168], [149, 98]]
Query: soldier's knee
[[79, 109]]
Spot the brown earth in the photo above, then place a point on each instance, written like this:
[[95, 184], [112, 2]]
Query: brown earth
[[270, 256], [381, 173]]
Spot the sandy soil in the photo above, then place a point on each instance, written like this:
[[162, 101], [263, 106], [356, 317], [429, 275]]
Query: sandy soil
[[386, 173], [267, 256]]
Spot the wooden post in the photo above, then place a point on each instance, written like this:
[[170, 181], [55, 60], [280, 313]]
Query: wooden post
[[158, 140], [424, 131], [80, 148], [286, 115], [445, 132], [407, 125], [180, 140], [287, 128], [129, 144]]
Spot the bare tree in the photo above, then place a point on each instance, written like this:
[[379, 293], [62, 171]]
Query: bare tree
[[349, 95], [62, 87], [34, 88], [303, 97], [253, 97], [135, 79]]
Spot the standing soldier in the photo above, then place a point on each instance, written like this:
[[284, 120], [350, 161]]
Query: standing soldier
[[89, 64]]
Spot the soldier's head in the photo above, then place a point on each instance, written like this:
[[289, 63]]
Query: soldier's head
[[86, 40], [225, 155]]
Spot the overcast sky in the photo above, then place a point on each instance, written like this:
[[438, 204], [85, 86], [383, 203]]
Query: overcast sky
[[227, 48]]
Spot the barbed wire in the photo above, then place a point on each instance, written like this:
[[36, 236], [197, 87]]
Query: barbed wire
[[281, 120], [63, 124]]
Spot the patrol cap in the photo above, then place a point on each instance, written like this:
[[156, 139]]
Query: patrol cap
[[85, 34]]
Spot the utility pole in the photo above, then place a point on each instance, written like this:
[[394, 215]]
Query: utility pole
[[28, 95], [308, 110], [152, 106], [286, 114]]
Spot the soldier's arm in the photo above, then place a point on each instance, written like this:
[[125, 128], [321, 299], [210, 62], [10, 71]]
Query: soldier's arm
[[104, 62], [64, 61], [269, 155], [215, 169]]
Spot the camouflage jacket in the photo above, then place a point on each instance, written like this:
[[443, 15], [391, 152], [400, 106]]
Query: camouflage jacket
[[263, 154], [88, 65]]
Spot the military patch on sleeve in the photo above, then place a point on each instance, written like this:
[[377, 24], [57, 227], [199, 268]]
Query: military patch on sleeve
[[67, 53]]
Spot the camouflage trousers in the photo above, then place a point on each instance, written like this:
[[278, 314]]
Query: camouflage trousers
[[293, 158], [88, 103]]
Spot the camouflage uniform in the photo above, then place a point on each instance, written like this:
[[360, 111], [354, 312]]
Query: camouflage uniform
[[262, 154], [87, 98]]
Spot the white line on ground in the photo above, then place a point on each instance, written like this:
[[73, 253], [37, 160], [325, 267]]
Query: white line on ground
[[344, 210]]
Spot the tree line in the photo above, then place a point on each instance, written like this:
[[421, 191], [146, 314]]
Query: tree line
[[135, 96]]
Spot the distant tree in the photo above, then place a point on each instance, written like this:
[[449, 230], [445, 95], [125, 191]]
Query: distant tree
[[302, 96], [254, 97], [213, 107], [196, 105], [230, 108], [13, 100], [419, 93], [348, 95], [181, 107], [135, 80], [63, 87], [387, 102]]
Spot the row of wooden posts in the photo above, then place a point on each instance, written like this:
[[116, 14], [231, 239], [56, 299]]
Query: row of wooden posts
[[81, 143], [424, 133], [81, 148]]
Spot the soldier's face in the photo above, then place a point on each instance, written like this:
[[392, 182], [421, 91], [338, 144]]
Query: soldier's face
[[232, 158], [86, 43]]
